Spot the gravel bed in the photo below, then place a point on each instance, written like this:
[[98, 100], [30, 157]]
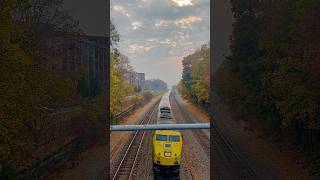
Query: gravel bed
[[196, 153]]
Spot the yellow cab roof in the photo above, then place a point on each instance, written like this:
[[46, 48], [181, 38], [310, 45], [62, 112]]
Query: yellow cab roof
[[168, 132]]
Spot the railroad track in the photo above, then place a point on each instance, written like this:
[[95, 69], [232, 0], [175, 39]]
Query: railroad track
[[235, 163], [126, 168], [239, 167], [202, 138]]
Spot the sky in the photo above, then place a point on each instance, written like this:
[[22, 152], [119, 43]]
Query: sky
[[156, 34]]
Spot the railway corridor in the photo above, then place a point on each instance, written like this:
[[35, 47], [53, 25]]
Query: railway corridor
[[125, 163], [196, 143], [228, 165], [133, 157]]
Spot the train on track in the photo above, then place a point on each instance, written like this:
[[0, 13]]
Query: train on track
[[167, 144]]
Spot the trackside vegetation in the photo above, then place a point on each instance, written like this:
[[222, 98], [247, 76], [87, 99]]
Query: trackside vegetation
[[41, 106], [122, 93], [272, 76], [195, 83]]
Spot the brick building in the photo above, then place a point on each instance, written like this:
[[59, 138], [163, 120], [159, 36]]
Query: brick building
[[130, 77], [135, 78], [140, 79], [73, 52]]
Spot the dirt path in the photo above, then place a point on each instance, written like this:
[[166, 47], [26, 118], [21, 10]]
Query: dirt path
[[200, 114], [262, 155], [88, 165], [196, 154]]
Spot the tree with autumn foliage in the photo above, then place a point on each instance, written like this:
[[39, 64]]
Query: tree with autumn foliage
[[30, 83], [272, 74], [195, 83], [119, 65]]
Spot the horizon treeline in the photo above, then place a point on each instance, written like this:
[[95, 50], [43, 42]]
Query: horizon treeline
[[122, 93], [272, 76], [195, 82]]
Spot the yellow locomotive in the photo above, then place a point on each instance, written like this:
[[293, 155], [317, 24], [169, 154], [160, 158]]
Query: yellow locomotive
[[167, 146]]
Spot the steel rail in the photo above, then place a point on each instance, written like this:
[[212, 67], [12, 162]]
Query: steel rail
[[250, 172], [246, 171], [135, 159], [148, 118], [202, 138], [151, 127]]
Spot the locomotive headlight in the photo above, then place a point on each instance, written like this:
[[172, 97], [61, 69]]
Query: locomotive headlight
[[167, 154]]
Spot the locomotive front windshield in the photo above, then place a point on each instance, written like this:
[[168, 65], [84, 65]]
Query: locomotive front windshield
[[174, 138], [161, 137]]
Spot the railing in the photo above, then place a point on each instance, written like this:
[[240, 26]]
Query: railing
[[150, 127], [40, 169], [126, 112]]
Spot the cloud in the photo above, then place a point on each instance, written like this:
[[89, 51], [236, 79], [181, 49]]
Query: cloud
[[183, 23], [136, 24], [120, 9], [181, 3], [187, 21], [159, 33], [168, 42], [152, 40], [181, 52], [183, 35], [162, 23], [139, 49]]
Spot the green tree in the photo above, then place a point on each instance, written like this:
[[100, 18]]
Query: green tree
[[196, 76], [119, 88], [119, 65], [271, 76], [13, 86], [30, 85], [156, 85]]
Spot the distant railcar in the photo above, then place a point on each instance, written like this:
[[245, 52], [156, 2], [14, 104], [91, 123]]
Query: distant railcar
[[164, 108]]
